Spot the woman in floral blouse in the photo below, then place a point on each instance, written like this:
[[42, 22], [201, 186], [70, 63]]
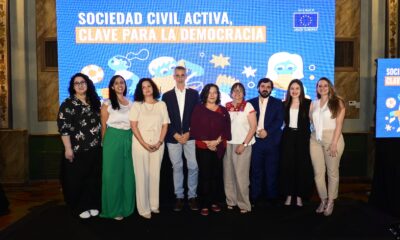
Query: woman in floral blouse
[[79, 125]]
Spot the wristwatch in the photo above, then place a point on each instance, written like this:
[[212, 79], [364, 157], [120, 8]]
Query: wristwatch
[[245, 144]]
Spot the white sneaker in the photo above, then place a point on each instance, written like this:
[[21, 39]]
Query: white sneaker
[[119, 218], [94, 212], [84, 215]]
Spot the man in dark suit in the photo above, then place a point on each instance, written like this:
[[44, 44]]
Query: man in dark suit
[[180, 102], [265, 152]]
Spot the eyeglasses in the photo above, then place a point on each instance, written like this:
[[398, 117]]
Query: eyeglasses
[[81, 83]]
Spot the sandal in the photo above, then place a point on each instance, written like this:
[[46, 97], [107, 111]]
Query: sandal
[[243, 211]]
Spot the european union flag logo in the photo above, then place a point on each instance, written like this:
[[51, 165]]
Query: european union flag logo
[[305, 20]]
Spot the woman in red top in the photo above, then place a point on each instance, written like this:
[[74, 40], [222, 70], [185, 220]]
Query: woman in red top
[[211, 127]]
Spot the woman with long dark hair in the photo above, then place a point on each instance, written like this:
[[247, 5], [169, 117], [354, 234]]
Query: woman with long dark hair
[[296, 178], [118, 185], [326, 143], [79, 125]]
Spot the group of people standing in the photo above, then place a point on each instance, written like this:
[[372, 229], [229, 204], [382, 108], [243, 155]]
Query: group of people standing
[[113, 151]]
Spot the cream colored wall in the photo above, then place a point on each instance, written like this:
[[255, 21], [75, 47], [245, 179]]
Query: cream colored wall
[[24, 66]]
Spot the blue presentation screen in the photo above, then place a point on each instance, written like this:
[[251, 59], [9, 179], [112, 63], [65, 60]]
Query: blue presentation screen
[[388, 99], [219, 42]]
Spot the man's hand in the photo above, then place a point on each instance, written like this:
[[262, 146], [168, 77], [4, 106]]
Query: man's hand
[[185, 138], [262, 133], [178, 137]]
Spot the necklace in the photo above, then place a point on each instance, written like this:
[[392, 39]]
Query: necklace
[[148, 108]]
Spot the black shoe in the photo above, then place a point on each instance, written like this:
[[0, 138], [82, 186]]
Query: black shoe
[[178, 205], [193, 204]]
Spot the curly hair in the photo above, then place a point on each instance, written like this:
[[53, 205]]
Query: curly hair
[[333, 99], [138, 96], [206, 91], [91, 95], [113, 96]]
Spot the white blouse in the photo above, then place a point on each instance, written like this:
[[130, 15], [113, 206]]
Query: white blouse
[[118, 118], [240, 124], [322, 118], [294, 114]]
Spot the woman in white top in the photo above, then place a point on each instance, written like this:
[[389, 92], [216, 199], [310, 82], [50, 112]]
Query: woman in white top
[[326, 143], [149, 123], [118, 185], [238, 152]]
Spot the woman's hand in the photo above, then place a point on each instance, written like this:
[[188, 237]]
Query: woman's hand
[[239, 149], [212, 145], [69, 154], [332, 150], [148, 147], [154, 147]]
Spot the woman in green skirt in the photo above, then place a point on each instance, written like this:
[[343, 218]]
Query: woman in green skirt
[[118, 186]]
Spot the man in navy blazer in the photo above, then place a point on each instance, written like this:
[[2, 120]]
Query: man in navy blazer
[[180, 103], [265, 152]]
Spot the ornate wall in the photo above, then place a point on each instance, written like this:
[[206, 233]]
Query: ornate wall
[[347, 81], [47, 79], [4, 68], [392, 30]]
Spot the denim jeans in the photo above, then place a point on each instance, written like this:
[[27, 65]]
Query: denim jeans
[[175, 155]]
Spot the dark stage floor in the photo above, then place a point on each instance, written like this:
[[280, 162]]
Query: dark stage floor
[[352, 219]]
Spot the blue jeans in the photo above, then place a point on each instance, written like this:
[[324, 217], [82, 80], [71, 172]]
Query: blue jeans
[[175, 155]]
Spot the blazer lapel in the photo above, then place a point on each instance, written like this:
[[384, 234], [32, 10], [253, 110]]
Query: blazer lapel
[[270, 106], [176, 109], [256, 106], [185, 109]]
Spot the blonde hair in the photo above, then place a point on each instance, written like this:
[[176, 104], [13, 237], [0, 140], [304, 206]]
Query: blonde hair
[[333, 99]]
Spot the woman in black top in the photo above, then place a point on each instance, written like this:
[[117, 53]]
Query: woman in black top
[[296, 176], [79, 125]]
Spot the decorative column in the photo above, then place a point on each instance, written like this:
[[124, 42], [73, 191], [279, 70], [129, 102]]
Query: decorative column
[[392, 29], [4, 68]]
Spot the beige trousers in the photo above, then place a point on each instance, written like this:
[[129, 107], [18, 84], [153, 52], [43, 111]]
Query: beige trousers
[[147, 175], [323, 164], [236, 177]]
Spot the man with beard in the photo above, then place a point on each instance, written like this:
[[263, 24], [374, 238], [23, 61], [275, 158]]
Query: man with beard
[[265, 152]]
